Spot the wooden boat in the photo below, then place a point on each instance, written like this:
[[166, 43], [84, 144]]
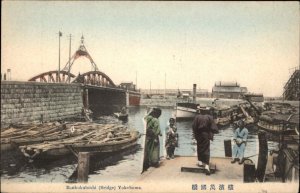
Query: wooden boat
[[30, 133], [223, 114], [279, 118], [121, 116], [188, 110], [20, 135], [279, 124], [107, 139]]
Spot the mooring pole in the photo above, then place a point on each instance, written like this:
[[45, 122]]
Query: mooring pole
[[262, 156], [249, 171], [227, 147], [83, 167]]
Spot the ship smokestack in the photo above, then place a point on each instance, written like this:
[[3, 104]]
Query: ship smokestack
[[194, 92]]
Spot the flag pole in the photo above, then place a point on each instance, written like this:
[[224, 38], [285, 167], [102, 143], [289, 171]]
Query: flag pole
[[69, 59], [59, 35]]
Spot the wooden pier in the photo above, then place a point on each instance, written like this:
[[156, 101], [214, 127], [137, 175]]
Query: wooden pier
[[170, 170], [169, 177]]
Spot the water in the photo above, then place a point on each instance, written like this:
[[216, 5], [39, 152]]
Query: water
[[127, 166]]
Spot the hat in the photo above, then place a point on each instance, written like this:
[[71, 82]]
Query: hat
[[155, 112], [171, 119], [241, 123]]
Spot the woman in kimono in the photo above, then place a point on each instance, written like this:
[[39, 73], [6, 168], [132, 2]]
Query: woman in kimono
[[152, 139]]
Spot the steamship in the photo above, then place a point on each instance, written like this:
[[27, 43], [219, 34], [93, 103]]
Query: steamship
[[133, 96]]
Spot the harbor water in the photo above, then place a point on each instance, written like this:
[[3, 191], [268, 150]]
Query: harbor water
[[126, 166]]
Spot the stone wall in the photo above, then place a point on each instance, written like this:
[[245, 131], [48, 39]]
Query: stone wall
[[23, 102]]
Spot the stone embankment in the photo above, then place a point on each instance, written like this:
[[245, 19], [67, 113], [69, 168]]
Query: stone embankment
[[24, 102]]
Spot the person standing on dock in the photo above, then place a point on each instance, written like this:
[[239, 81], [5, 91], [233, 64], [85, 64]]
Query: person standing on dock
[[171, 138], [152, 139], [204, 128], [240, 139]]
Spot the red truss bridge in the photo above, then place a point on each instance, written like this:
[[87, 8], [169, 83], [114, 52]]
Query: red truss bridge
[[99, 90]]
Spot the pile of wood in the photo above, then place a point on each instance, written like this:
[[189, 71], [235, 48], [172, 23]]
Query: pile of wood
[[20, 135], [29, 134], [86, 137]]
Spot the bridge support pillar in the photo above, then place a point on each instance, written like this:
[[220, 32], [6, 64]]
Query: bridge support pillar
[[85, 97]]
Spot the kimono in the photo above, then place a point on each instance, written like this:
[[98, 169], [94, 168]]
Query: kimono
[[152, 142], [204, 128], [171, 140], [240, 135]]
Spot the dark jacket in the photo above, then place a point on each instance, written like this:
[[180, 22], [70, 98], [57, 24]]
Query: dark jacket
[[204, 124]]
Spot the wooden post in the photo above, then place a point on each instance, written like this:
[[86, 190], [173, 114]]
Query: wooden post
[[249, 172], [262, 156], [87, 98], [83, 166], [228, 149], [42, 118]]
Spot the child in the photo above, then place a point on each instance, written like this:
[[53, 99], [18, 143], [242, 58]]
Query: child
[[171, 138]]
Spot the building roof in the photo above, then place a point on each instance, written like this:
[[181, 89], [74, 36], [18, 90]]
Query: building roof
[[227, 84], [235, 89], [126, 83]]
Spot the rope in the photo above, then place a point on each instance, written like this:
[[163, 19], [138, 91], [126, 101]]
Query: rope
[[258, 154]]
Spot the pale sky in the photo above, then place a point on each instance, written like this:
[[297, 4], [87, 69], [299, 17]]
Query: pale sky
[[253, 43]]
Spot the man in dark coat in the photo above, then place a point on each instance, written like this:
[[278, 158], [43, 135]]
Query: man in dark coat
[[204, 128]]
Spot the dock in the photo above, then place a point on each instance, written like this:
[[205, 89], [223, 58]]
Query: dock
[[169, 171]]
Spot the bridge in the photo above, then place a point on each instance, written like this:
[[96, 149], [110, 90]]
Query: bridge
[[59, 94]]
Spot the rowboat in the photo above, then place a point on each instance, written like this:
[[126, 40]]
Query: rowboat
[[279, 124], [20, 135], [280, 118], [29, 134], [186, 110], [121, 116], [107, 139], [224, 115]]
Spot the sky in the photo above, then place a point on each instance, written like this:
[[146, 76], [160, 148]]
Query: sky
[[181, 43]]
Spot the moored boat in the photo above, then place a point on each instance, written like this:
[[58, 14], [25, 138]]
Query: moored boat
[[105, 139], [121, 116], [30, 134], [187, 110], [20, 135], [279, 124], [134, 98], [133, 95]]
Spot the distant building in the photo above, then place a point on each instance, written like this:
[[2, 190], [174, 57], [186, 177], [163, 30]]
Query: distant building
[[230, 90]]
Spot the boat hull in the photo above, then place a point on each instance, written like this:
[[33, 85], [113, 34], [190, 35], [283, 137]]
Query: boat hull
[[185, 113], [122, 117], [133, 98], [186, 110], [93, 148], [275, 129], [6, 147]]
